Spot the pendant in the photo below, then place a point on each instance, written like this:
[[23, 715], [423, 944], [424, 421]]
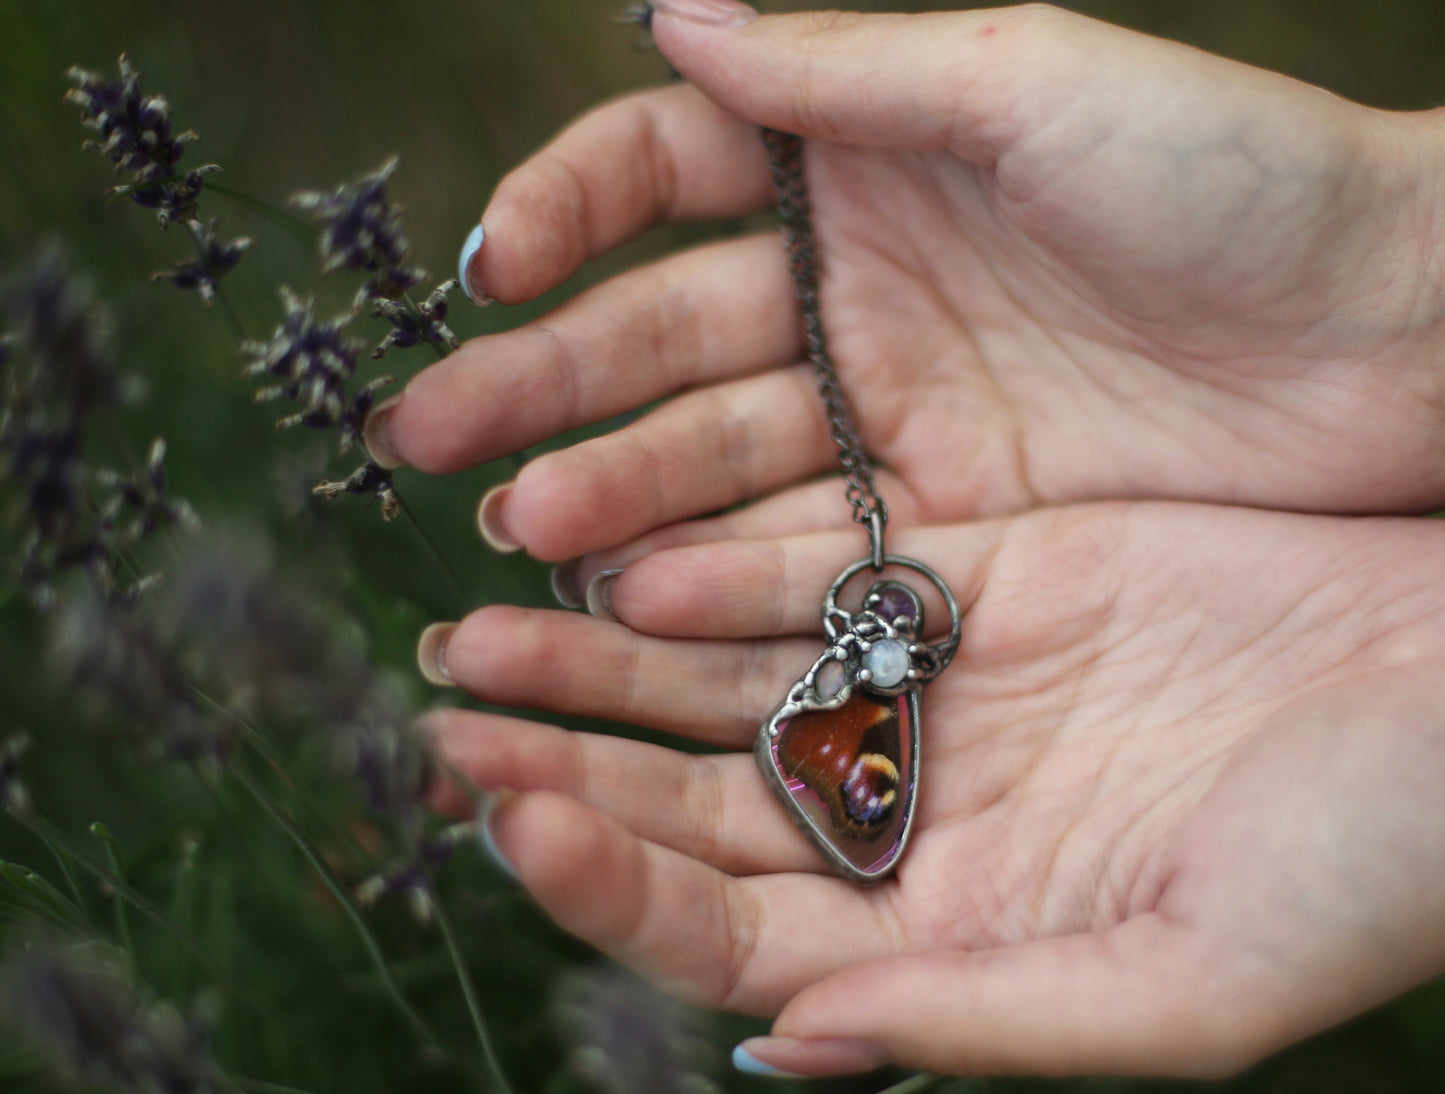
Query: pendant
[[841, 751]]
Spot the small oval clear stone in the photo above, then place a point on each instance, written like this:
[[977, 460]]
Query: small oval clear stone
[[829, 680], [888, 662]]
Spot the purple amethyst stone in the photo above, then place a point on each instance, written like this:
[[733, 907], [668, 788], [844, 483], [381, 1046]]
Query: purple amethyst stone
[[895, 601]]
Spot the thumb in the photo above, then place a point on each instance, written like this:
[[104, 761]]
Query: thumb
[[941, 80], [1143, 998]]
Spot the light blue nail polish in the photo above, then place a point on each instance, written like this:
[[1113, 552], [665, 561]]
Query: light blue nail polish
[[748, 1064], [469, 248], [488, 844]]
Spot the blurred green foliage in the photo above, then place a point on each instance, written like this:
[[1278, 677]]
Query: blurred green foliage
[[292, 94]]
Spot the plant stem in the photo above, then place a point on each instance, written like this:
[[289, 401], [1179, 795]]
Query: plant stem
[[112, 855], [238, 330], [333, 883], [295, 226], [48, 832], [469, 989], [436, 553], [70, 879]]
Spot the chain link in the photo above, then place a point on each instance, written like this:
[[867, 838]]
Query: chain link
[[785, 160]]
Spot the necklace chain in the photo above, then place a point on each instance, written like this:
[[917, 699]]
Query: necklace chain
[[785, 161]]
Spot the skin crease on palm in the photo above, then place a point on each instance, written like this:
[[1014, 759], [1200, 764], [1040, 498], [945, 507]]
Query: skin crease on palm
[[1180, 802]]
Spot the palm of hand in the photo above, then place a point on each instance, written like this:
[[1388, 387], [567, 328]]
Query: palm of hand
[[1153, 707], [1133, 308]]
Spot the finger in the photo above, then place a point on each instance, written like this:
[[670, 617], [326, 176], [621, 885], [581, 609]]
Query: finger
[[565, 663], [756, 588], [933, 81], [701, 452], [711, 808], [718, 941], [812, 507], [1146, 997], [666, 154], [675, 324]]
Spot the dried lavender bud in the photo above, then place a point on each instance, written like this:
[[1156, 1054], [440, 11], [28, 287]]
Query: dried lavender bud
[[624, 1035], [135, 133], [70, 515], [128, 659], [135, 507], [313, 360], [75, 1006], [203, 274], [13, 795], [363, 230], [427, 323], [410, 878], [54, 319], [63, 373], [389, 761], [368, 480]]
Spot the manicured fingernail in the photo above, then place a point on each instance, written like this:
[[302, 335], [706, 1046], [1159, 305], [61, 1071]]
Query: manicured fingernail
[[464, 267], [806, 1057], [431, 654], [712, 13], [599, 594], [564, 584], [486, 816], [489, 521], [376, 434], [749, 1064]]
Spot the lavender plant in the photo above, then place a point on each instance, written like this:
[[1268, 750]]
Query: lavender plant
[[76, 1006], [205, 669], [71, 513]]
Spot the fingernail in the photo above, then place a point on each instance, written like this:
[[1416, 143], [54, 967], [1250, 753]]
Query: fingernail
[[806, 1058], [489, 521], [486, 815], [711, 13], [599, 594], [748, 1064], [564, 584], [464, 267], [431, 654], [376, 434]]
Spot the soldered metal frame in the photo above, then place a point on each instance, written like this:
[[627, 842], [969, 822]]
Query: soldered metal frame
[[851, 635]]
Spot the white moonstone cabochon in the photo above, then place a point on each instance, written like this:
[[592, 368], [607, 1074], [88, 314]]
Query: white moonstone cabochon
[[888, 662]]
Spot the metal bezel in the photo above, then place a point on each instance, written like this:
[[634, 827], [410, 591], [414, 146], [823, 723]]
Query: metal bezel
[[823, 841]]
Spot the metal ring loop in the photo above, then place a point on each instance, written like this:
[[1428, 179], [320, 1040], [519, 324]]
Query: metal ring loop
[[944, 650]]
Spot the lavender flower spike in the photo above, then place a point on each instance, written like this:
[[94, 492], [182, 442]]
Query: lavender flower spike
[[313, 362], [203, 274], [135, 133], [368, 480], [427, 323], [363, 230], [75, 1005]]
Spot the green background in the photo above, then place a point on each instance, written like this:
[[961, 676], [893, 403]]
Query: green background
[[300, 94]]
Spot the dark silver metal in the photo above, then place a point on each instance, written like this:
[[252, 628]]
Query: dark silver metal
[[785, 160], [838, 622], [851, 634]]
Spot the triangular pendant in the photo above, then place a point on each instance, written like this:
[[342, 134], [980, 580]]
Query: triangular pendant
[[841, 751], [847, 774]]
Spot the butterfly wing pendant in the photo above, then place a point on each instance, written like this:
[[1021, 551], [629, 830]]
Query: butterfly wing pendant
[[841, 751]]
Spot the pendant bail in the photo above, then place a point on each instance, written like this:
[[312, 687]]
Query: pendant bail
[[877, 521]]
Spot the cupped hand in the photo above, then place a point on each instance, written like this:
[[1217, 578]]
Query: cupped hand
[[1179, 806], [1061, 261]]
